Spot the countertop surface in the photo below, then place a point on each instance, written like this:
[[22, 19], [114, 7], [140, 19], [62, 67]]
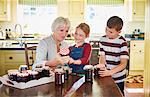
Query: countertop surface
[[16, 46], [101, 87]]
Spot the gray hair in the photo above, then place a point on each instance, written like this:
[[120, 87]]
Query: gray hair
[[59, 22]]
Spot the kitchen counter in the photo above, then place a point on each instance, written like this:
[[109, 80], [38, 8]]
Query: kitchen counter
[[24, 40], [15, 46], [101, 87]]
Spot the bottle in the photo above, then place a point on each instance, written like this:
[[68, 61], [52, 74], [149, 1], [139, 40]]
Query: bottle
[[7, 35], [138, 30]]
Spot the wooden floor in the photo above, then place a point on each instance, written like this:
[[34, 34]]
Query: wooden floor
[[134, 90]]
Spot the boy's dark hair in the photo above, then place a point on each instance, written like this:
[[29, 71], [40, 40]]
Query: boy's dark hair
[[115, 22]]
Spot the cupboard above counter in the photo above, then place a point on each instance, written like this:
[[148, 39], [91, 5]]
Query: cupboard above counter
[[135, 10], [5, 13], [8, 11]]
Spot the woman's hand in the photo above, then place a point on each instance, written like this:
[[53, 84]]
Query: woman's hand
[[58, 60], [62, 59]]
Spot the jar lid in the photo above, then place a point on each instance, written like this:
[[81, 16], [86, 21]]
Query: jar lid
[[88, 67], [12, 71], [34, 72], [38, 69], [100, 66], [22, 74], [46, 67], [59, 70]]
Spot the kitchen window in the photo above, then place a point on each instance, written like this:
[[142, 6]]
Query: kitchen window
[[36, 16], [99, 11]]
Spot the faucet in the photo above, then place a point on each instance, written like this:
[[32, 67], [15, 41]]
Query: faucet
[[18, 27]]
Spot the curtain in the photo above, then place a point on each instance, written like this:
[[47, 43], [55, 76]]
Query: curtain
[[37, 2], [105, 2]]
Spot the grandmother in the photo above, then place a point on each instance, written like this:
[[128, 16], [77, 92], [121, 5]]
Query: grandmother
[[48, 48]]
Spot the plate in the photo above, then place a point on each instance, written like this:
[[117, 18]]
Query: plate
[[23, 85]]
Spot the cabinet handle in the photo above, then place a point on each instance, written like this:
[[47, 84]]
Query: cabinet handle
[[140, 51], [10, 58], [134, 45], [30, 57], [81, 13], [134, 13], [5, 12]]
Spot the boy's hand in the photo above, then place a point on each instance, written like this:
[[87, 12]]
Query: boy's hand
[[104, 72]]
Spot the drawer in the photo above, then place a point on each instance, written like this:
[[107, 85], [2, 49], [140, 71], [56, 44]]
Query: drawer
[[137, 46], [14, 58]]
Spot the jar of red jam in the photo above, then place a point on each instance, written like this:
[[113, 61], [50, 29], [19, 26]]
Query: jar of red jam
[[59, 76], [22, 77], [12, 74], [88, 73]]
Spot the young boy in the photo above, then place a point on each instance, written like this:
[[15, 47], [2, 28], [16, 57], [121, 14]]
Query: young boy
[[80, 53], [114, 52]]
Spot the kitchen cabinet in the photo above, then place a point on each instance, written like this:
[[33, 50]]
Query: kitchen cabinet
[[76, 8], [137, 55], [12, 59], [5, 10], [73, 9], [76, 11], [135, 10]]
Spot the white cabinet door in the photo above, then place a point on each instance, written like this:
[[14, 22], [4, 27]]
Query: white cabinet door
[[137, 55], [137, 61], [76, 8], [4, 10], [138, 10], [76, 11], [135, 10], [73, 9]]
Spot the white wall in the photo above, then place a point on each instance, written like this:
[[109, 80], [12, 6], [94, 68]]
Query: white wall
[[131, 26]]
